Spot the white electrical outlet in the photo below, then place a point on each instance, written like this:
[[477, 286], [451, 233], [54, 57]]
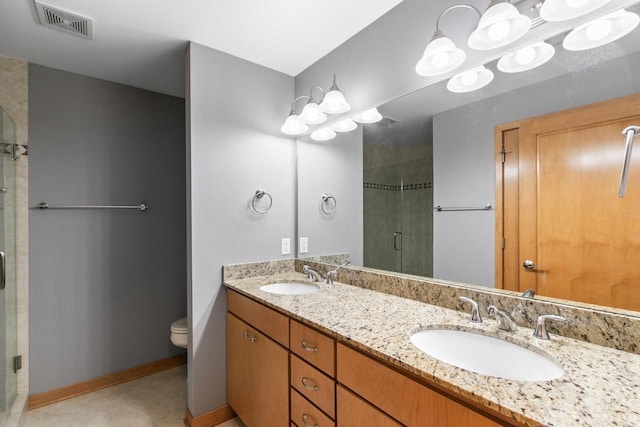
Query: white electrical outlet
[[304, 245], [286, 246]]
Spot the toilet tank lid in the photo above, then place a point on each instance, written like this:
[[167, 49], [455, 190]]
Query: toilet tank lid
[[180, 326]]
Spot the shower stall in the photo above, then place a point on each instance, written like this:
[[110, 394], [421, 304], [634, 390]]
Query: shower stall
[[9, 359], [398, 199]]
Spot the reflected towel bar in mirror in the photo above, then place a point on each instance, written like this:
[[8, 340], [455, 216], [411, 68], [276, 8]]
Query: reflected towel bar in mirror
[[451, 209]]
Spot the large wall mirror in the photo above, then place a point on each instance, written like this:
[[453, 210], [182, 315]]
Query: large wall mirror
[[436, 148]]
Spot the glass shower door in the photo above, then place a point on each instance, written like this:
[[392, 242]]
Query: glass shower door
[[8, 300]]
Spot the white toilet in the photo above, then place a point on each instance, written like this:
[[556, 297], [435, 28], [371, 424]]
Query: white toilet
[[180, 333]]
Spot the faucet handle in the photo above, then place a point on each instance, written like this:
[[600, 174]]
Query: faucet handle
[[475, 313], [541, 329], [332, 274]]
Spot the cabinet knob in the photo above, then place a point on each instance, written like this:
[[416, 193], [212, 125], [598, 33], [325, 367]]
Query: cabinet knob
[[305, 383], [253, 339], [307, 348], [245, 334], [305, 418]]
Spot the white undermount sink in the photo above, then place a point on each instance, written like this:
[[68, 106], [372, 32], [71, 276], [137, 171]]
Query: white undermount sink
[[290, 288], [486, 355]]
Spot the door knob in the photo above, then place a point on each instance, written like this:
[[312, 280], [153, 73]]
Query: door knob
[[528, 264]]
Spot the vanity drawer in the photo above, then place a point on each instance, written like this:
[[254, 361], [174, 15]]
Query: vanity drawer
[[268, 321], [314, 385], [303, 413], [401, 397], [314, 347], [355, 412]]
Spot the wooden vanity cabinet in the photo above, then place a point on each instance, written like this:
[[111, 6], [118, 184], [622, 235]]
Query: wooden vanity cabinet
[[257, 365], [406, 400]]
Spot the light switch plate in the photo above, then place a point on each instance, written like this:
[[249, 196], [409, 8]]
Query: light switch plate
[[304, 245], [286, 246]]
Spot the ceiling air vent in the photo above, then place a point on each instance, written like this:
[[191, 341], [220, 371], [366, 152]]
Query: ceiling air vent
[[64, 20]]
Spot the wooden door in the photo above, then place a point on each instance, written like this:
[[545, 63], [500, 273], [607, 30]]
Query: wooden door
[[583, 239]]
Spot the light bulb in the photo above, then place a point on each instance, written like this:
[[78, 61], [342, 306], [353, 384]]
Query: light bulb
[[599, 29], [499, 30], [469, 78], [346, 125], [323, 134], [525, 56], [440, 60]]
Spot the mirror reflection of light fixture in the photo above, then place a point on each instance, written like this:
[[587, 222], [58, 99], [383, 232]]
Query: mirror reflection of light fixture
[[441, 54], [601, 30], [294, 124], [499, 25], [311, 113], [346, 125], [370, 116], [470, 80], [563, 10], [334, 101], [526, 58], [323, 134]]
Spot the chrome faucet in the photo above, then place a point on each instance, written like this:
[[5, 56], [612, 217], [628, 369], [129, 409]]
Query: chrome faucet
[[475, 313], [312, 275], [529, 293], [332, 274], [541, 329], [504, 320]]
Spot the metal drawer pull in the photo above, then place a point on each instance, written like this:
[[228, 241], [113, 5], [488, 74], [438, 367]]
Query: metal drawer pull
[[306, 347], [305, 417], [309, 387], [245, 334], [253, 339]]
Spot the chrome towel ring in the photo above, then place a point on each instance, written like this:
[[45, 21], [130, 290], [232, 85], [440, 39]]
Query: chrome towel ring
[[260, 194], [328, 205]]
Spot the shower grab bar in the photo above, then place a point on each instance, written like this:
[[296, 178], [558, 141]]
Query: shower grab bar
[[452, 209], [141, 207], [630, 133]]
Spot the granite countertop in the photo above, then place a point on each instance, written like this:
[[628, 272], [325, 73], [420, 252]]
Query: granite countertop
[[601, 386]]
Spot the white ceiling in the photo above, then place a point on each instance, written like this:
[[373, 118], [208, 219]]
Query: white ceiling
[[141, 42]]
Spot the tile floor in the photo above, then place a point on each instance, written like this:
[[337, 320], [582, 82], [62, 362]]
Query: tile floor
[[155, 401]]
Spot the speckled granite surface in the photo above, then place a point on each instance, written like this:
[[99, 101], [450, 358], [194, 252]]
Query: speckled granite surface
[[601, 386], [609, 327]]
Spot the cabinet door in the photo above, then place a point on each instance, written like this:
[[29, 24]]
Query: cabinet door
[[239, 362], [355, 412], [257, 376]]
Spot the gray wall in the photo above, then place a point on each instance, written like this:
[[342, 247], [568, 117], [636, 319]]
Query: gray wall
[[105, 285], [465, 167], [234, 146]]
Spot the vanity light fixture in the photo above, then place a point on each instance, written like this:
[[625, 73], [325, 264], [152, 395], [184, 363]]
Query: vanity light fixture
[[601, 31], [334, 101], [346, 125], [563, 10], [526, 58], [323, 134], [311, 113], [441, 54], [294, 124], [470, 80], [369, 116], [499, 25]]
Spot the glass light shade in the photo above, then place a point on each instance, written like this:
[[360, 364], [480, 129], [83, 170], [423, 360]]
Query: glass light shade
[[323, 134], [563, 10], [470, 80], [346, 125], [294, 126], [601, 31], [440, 56], [369, 116], [334, 102], [527, 58], [312, 115], [500, 25]]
